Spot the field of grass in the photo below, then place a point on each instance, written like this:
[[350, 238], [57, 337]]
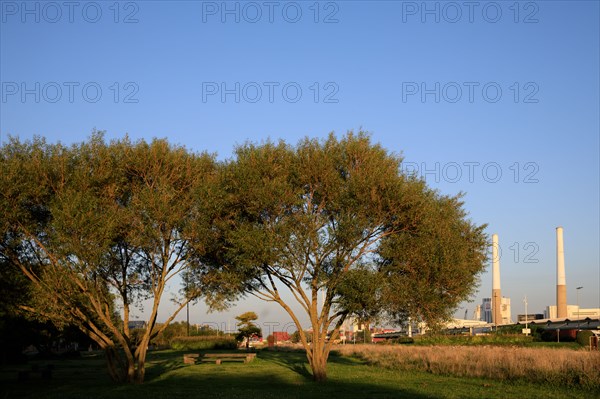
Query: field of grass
[[271, 375], [511, 340], [548, 366]]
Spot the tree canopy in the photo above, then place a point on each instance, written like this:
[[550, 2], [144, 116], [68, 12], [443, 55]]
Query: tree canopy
[[305, 216], [99, 227], [246, 327]]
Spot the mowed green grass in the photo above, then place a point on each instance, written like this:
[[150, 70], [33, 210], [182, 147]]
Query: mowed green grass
[[271, 375]]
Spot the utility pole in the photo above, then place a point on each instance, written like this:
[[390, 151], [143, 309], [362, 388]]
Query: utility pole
[[526, 314], [578, 311], [187, 305]]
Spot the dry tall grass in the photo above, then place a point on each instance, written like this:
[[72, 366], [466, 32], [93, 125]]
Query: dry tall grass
[[556, 366]]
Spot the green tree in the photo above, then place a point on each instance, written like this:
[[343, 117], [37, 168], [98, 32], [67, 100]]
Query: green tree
[[302, 217], [295, 337], [247, 328], [361, 296], [99, 227], [429, 269], [173, 330]]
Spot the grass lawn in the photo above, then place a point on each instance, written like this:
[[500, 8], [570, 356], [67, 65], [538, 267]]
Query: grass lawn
[[271, 375]]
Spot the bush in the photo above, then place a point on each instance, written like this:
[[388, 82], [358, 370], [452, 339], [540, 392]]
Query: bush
[[583, 337], [564, 335], [491, 339], [203, 343], [402, 340]]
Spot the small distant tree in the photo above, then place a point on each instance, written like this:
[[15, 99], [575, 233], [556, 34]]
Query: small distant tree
[[247, 328], [295, 337], [206, 331], [173, 330]]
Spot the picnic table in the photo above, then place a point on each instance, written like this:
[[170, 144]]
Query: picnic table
[[217, 358]]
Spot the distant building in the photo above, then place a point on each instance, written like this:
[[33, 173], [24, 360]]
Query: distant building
[[529, 317], [349, 328], [477, 315], [134, 324], [281, 336], [573, 312], [486, 310], [591, 313]]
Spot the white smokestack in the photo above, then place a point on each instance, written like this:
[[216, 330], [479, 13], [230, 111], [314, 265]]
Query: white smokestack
[[496, 295], [561, 280], [495, 263]]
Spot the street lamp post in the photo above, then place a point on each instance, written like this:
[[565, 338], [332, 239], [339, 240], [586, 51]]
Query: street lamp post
[[526, 327], [578, 312]]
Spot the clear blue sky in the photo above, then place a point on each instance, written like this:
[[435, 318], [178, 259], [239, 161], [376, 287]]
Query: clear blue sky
[[464, 90]]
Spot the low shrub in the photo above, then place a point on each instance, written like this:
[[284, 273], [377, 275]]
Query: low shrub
[[583, 337], [565, 335], [402, 340], [490, 339], [203, 343]]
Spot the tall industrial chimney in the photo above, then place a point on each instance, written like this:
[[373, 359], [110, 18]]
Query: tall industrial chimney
[[561, 284], [496, 296]]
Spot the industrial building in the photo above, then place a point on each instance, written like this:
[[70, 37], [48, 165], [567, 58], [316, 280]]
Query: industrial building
[[487, 311], [496, 309], [573, 312]]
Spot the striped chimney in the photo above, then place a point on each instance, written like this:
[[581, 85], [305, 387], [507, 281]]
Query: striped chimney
[[496, 295], [561, 284]]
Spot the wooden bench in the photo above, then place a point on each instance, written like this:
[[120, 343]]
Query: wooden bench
[[190, 358], [217, 358]]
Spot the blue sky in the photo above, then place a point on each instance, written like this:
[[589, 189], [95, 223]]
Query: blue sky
[[496, 99]]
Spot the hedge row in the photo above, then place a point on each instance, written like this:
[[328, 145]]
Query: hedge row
[[583, 337], [492, 339], [203, 342]]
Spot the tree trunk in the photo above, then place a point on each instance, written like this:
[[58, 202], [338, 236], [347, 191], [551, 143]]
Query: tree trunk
[[318, 361], [129, 369], [318, 365], [113, 364], [141, 365]]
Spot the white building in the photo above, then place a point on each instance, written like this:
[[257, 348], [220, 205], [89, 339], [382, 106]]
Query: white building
[[486, 310], [573, 312]]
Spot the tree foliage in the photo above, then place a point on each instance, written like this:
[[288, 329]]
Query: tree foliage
[[432, 267], [304, 217], [360, 294], [247, 328], [99, 227]]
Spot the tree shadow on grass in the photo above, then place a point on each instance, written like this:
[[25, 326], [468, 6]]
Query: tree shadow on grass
[[267, 377], [236, 383], [294, 361], [271, 375], [298, 363]]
